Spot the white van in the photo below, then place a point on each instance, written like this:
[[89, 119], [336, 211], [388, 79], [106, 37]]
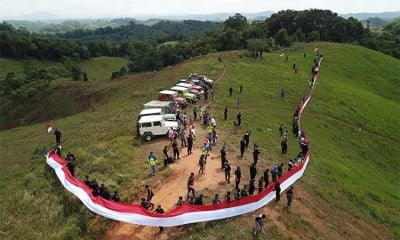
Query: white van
[[154, 125], [157, 111], [166, 106]]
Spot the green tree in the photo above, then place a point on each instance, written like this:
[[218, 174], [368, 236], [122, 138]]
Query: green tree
[[237, 22], [256, 29], [313, 36], [300, 36], [257, 46], [282, 38]]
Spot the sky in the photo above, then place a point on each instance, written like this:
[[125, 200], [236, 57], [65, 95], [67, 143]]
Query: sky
[[132, 8]]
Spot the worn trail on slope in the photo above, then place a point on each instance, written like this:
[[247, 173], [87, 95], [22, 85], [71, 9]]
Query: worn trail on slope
[[167, 192]]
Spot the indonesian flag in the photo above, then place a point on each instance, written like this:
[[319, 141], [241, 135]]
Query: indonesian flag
[[316, 49], [49, 128], [282, 55]]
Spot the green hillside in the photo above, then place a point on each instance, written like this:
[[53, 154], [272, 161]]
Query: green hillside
[[63, 97], [100, 68], [349, 190], [96, 68]]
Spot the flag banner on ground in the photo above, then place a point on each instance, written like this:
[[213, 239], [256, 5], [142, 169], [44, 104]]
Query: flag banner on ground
[[185, 214]]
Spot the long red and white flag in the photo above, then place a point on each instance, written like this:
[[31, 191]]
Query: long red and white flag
[[184, 214]]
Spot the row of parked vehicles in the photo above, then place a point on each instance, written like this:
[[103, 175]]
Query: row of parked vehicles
[[159, 116]]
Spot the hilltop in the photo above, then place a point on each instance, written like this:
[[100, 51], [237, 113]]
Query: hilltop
[[349, 190]]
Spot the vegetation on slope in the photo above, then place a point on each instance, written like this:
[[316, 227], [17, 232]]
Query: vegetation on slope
[[349, 186]]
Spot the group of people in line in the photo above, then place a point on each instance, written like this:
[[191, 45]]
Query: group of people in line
[[70, 158], [210, 140]]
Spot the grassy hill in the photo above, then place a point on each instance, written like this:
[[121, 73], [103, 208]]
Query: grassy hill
[[63, 97], [350, 188], [98, 68]]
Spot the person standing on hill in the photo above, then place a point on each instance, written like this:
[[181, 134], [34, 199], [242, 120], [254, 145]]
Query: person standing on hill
[[223, 157], [256, 152], [277, 191], [150, 193], [71, 167], [202, 164], [152, 160], [246, 138], [227, 169], [226, 113], [195, 113], [284, 146], [58, 135], [239, 119], [252, 186], [175, 150], [160, 211], [259, 224], [289, 195], [281, 129], [241, 88], [230, 91], [190, 185], [183, 138], [280, 170], [189, 144], [253, 171], [242, 147], [238, 175], [266, 177]]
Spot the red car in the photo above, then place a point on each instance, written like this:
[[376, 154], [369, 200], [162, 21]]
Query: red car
[[169, 95]]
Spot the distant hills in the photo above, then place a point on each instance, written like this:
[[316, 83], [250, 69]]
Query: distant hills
[[220, 16], [365, 16]]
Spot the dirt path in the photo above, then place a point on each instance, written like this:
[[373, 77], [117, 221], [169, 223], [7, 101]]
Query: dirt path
[[168, 192]]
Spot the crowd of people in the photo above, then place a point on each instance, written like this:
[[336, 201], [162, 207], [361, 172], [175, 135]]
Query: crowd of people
[[185, 140], [96, 189]]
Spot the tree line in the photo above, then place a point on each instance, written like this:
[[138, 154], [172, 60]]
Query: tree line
[[167, 43]]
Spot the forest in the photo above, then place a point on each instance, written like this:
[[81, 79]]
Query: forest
[[165, 43]]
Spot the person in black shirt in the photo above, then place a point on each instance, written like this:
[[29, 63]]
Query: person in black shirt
[[71, 168], [116, 197], [227, 169], [289, 195], [266, 177], [160, 211], [277, 191], [238, 174], [246, 138], [242, 147], [252, 187], [226, 113], [150, 193], [103, 192], [58, 135], [256, 152], [189, 144], [70, 157], [223, 157], [280, 170], [253, 171], [284, 146]]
